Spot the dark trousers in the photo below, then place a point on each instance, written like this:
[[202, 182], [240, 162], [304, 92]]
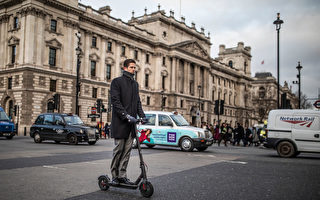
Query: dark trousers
[[121, 156]]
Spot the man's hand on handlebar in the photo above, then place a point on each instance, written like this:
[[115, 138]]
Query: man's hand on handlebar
[[131, 119]]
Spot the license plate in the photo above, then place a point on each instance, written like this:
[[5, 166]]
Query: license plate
[[208, 143], [90, 140], [6, 134]]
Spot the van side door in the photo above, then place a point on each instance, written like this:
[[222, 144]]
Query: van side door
[[306, 133]]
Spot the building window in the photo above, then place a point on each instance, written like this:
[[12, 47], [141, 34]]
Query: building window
[[109, 47], [123, 50], [191, 87], [52, 56], [93, 68], [136, 54], [219, 83], [13, 54], [181, 103], [10, 83], [108, 71], [94, 92], [53, 85], [163, 82], [230, 64], [262, 92], [148, 101], [212, 95], [146, 82], [245, 67], [15, 22], [53, 25], [94, 41], [163, 60], [147, 58]]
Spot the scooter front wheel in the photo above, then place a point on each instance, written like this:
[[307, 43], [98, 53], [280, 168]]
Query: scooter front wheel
[[103, 182], [146, 189]]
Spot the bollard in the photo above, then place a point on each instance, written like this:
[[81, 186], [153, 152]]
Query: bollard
[[25, 131]]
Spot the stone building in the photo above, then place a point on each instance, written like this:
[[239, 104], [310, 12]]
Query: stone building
[[175, 71], [264, 96]]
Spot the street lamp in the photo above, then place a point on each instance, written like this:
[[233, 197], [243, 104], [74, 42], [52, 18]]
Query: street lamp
[[278, 23], [78, 52], [299, 67], [162, 102]]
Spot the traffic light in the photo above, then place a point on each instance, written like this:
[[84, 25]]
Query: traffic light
[[216, 107], [221, 107], [56, 101], [99, 104], [103, 108]]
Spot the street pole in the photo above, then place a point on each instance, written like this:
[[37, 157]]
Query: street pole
[[278, 23], [299, 67], [199, 88], [78, 52]]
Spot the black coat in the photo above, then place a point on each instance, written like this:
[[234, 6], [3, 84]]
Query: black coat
[[125, 100]]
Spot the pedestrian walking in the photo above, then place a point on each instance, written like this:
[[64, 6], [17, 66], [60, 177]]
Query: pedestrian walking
[[106, 131]]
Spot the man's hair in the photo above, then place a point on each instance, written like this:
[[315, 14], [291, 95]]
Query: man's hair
[[127, 62]]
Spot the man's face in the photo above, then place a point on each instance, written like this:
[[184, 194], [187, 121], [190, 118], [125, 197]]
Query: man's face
[[131, 68]]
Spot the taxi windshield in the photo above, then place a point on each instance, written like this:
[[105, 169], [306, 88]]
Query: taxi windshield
[[73, 120], [4, 116], [179, 120]]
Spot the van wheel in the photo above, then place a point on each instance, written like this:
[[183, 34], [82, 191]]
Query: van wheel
[[186, 144], [37, 138], [286, 149], [9, 137]]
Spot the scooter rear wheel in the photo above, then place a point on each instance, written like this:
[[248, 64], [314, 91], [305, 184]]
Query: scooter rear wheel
[[103, 182], [146, 189]]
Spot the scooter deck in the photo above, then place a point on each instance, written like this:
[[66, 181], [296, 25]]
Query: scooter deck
[[122, 185]]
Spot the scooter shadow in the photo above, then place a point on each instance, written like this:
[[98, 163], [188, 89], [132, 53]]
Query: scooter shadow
[[111, 193]]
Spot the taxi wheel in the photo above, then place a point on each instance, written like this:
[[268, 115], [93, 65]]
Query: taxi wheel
[[9, 137], [37, 138], [150, 145], [286, 149], [73, 139], [186, 144]]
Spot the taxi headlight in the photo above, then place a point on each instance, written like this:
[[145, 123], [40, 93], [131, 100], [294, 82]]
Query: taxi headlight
[[81, 131], [201, 134], [97, 131]]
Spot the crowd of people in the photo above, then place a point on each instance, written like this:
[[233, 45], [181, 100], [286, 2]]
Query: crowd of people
[[238, 135]]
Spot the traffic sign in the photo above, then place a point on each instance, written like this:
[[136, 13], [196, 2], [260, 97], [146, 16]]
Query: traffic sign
[[317, 104]]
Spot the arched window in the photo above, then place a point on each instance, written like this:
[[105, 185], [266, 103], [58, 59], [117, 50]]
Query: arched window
[[262, 92], [230, 64]]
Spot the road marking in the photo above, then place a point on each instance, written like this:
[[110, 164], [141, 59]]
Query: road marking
[[53, 167], [235, 162], [94, 163]]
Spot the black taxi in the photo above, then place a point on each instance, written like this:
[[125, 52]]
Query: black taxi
[[62, 128]]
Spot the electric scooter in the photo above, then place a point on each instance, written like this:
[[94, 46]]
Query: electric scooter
[[145, 187]]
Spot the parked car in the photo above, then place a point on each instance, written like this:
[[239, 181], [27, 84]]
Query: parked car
[[6, 125], [62, 128], [171, 129], [293, 131]]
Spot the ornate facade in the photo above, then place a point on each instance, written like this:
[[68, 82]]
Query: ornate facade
[[175, 70]]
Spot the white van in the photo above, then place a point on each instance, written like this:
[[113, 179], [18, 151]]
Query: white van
[[293, 131]]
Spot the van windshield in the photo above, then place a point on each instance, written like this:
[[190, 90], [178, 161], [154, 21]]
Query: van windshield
[[4, 116], [179, 120]]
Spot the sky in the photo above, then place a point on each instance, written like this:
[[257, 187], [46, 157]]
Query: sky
[[251, 22]]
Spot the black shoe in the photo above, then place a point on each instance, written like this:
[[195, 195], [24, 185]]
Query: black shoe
[[125, 181], [115, 181]]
